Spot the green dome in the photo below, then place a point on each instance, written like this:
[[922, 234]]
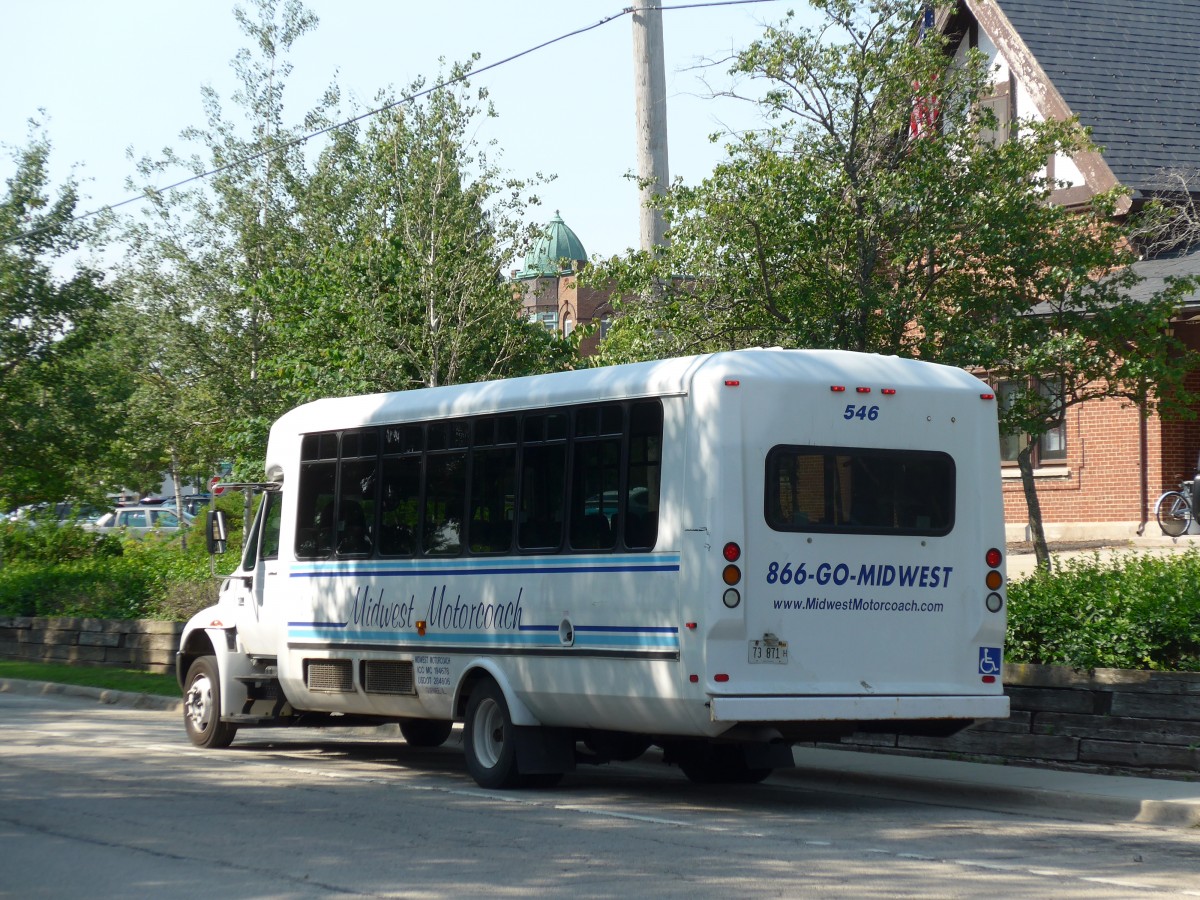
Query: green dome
[[555, 252]]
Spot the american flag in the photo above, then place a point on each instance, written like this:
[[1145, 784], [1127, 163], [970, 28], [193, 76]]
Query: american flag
[[923, 118]]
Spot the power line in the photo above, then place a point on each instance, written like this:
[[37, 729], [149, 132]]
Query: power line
[[295, 142]]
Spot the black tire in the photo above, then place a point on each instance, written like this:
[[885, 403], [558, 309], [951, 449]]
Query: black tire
[[1173, 513], [719, 764], [202, 706], [488, 738], [425, 732]]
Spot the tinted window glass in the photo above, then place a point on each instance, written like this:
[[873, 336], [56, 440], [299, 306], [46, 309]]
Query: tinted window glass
[[870, 491], [445, 503]]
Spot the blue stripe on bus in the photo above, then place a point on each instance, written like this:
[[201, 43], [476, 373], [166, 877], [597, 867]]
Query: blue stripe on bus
[[640, 641], [562, 565]]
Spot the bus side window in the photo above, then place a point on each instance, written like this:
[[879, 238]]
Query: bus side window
[[543, 471], [271, 523], [644, 475], [595, 476]]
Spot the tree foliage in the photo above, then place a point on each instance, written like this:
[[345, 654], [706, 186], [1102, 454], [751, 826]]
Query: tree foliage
[[209, 259], [409, 226], [57, 394]]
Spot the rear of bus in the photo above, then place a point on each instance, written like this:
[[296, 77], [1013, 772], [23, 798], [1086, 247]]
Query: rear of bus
[[852, 576]]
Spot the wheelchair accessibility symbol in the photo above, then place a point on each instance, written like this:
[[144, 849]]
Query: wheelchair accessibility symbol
[[989, 660]]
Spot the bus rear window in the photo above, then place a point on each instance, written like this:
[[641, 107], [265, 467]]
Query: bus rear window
[[860, 490]]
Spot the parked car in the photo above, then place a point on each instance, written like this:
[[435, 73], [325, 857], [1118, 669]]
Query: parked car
[[138, 521], [192, 503]]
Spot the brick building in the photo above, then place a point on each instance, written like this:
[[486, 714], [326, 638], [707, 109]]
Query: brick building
[[1130, 71], [549, 285]]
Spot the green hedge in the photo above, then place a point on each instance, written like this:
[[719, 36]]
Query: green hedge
[[1132, 612], [52, 570]]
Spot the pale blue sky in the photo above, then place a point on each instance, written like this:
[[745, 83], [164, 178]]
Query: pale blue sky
[[127, 73]]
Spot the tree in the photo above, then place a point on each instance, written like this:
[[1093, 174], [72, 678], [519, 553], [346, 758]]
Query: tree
[[881, 210], [57, 395], [409, 227], [208, 261]]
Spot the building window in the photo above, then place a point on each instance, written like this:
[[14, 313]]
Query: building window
[[548, 320], [1051, 447], [1000, 106]]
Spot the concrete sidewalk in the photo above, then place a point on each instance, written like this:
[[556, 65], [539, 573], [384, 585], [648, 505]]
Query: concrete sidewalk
[[1076, 796]]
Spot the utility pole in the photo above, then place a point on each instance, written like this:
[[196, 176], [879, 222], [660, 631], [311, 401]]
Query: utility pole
[[650, 94]]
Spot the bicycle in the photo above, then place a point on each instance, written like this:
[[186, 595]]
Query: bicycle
[[1174, 510]]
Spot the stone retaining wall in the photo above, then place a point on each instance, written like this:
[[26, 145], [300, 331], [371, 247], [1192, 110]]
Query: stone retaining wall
[[144, 644], [1107, 720]]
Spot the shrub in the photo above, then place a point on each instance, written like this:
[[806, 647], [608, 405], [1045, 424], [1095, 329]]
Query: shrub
[[49, 542], [1134, 612], [65, 571]]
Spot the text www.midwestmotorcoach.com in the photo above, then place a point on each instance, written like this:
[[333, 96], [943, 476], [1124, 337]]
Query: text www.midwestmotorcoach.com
[[860, 604]]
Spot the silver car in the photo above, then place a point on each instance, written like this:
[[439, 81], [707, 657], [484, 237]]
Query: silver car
[[138, 521]]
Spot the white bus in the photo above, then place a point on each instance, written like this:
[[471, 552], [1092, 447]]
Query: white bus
[[721, 555]]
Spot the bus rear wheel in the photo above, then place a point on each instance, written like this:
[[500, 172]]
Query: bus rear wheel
[[202, 706], [488, 738]]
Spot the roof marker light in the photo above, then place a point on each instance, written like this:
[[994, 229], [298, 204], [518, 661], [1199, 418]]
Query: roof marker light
[[887, 391], [863, 390], [732, 382], [837, 388], [987, 396]]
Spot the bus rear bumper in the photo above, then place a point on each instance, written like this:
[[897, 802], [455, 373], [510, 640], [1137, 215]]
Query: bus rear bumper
[[856, 709]]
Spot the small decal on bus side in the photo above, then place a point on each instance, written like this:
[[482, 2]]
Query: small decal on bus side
[[862, 412]]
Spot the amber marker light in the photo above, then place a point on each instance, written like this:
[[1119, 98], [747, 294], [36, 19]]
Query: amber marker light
[[421, 627]]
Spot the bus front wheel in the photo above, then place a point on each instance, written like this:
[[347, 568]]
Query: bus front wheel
[[202, 706], [488, 738]]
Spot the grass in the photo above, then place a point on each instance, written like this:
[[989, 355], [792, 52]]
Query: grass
[[91, 676]]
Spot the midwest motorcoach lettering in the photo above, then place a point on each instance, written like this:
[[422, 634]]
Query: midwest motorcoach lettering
[[442, 614], [874, 575]]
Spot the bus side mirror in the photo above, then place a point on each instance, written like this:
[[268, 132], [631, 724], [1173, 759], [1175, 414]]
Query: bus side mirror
[[216, 534]]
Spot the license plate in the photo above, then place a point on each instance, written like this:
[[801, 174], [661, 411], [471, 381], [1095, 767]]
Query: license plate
[[762, 652]]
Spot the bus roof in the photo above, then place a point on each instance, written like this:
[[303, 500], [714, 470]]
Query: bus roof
[[670, 377]]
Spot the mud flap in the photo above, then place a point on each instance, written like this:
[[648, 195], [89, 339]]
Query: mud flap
[[544, 751]]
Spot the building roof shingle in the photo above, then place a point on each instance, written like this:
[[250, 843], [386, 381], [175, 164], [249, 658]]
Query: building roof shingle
[[1129, 69]]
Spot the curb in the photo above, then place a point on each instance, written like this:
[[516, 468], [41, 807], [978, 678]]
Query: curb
[[1072, 796], [124, 699]]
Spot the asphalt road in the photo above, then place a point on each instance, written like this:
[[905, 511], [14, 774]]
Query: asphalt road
[[101, 801]]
